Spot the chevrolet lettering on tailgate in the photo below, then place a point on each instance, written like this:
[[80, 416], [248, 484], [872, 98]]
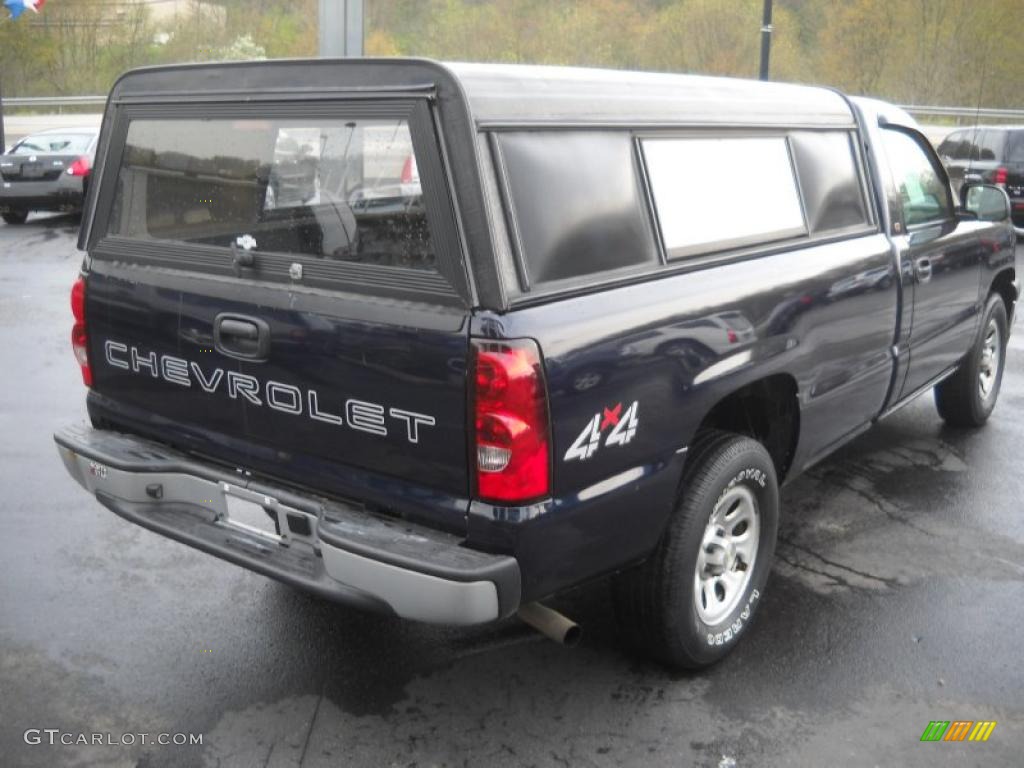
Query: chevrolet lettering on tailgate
[[359, 414]]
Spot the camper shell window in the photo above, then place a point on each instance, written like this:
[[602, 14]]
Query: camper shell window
[[344, 190]]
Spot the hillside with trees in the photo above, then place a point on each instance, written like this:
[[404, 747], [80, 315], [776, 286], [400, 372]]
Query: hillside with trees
[[952, 52]]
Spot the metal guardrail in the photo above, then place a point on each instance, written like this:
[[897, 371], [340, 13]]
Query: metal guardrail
[[50, 102], [977, 114], [970, 113]]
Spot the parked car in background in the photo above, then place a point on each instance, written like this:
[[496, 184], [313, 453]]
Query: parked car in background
[[992, 154], [47, 171]]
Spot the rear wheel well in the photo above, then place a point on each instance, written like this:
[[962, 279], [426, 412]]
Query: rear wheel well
[[1003, 285], [766, 410]]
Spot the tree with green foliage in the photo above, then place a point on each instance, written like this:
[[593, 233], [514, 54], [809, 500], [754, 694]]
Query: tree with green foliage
[[960, 52]]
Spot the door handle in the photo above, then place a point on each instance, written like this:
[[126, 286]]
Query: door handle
[[241, 337], [923, 269]]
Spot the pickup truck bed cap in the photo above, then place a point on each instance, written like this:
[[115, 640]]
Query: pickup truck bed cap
[[510, 93]]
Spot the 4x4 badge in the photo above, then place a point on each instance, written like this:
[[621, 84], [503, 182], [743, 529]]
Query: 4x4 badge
[[623, 427]]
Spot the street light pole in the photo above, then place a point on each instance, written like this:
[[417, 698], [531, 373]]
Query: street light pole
[[341, 28], [766, 38]]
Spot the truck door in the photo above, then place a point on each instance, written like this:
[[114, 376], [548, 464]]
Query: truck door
[[939, 254]]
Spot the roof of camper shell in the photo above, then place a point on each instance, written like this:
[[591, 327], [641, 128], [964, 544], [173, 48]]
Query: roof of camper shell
[[508, 93]]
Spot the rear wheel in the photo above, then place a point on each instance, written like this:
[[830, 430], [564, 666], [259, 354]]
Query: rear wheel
[[15, 217], [690, 602], [966, 398]]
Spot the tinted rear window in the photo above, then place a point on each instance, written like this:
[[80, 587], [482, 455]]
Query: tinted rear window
[[335, 189], [577, 204], [54, 144]]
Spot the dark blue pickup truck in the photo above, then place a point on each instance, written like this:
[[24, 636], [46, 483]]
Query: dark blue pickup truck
[[447, 340]]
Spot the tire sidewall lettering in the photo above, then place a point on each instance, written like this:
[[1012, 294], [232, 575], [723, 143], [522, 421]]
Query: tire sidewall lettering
[[733, 626], [732, 632]]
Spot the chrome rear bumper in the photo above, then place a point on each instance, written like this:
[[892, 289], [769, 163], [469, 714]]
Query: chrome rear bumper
[[328, 547]]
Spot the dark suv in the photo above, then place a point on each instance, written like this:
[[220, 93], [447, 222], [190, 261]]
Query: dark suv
[[993, 154]]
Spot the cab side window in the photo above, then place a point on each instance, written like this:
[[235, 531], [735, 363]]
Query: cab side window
[[923, 192]]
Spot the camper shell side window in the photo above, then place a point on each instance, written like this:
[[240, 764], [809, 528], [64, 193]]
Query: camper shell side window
[[586, 207]]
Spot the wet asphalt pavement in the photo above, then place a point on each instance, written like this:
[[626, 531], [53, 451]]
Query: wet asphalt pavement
[[897, 598]]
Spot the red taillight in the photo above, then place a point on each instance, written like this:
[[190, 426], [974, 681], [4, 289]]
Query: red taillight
[[513, 463], [79, 337], [999, 177], [80, 167]]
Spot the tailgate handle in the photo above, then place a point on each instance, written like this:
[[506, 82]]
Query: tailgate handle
[[239, 328], [241, 337]]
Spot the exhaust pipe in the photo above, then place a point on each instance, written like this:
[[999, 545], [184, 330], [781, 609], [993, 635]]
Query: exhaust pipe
[[551, 624]]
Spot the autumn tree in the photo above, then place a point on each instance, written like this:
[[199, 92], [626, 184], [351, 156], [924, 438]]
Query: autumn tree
[[954, 52]]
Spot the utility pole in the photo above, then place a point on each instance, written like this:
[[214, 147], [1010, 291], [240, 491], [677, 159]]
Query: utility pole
[[341, 28], [766, 38]]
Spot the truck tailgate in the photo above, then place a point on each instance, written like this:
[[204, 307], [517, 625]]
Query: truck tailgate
[[379, 388], [278, 294]]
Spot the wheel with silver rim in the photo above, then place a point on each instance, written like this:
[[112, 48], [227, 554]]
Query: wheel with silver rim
[[991, 360], [692, 600], [966, 398], [727, 555]]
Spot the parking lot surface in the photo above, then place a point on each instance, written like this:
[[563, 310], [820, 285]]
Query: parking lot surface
[[896, 600]]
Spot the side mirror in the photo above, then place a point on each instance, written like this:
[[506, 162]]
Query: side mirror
[[986, 202]]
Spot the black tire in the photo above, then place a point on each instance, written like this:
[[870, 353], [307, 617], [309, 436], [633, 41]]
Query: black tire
[[656, 601], [961, 399], [15, 217]]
